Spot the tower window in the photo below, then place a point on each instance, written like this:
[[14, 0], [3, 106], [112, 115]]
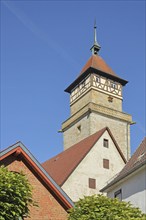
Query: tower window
[[92, 183], [118, 194], [79, 128], [114, 85], [83, 84], [106, 163], [97, 79], [105, 143]]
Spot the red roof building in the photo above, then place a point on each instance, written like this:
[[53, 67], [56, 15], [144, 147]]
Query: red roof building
[[53, 203], [94, 159]]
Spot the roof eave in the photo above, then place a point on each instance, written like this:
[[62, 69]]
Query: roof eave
[[37, 167], [96, 71], [122, 177]]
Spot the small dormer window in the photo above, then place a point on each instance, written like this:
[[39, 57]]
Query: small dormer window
[[114, 85]]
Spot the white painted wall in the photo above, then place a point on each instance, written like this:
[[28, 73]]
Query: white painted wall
[[76, 186], [133, 189]]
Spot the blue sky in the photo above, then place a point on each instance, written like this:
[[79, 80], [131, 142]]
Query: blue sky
[[44, 45]]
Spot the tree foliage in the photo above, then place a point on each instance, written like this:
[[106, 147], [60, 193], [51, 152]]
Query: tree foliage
[[100, 207], [15, 195]]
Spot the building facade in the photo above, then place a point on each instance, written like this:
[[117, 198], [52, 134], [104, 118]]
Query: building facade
[[84, 168], [130, 184]]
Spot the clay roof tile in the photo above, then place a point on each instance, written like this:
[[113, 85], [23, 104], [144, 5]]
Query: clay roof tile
[[98, 63]]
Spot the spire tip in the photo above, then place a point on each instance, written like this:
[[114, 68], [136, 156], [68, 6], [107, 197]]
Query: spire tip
[[96, 47]]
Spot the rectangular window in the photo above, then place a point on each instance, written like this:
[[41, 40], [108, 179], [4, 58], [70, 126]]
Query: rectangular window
[[118, 194], [92, 183], [105, 143], [97, 79], [113, 85], [106, 163]]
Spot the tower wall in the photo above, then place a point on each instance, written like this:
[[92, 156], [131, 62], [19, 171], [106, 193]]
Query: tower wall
[[119, 128], [96, 102], [97, 97], [94, 117]]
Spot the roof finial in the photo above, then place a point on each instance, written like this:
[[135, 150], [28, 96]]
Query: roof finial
[[95, 39], [96, 47]]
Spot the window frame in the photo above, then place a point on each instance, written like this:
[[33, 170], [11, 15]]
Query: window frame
[[105, 143], [92, 183], [98, 79], [114, 85], [106, 163]]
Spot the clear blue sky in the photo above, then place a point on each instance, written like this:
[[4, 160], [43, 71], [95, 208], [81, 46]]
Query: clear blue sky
[[44, 45]]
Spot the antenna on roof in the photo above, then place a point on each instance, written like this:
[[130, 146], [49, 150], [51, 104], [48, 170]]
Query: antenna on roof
[[96, 47]]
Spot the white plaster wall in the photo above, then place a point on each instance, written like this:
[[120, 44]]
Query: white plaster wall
[[133, 189], [76, 186]]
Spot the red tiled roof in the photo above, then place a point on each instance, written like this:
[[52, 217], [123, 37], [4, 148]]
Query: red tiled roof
[[95, 64], [136, 161], [62, 165], [98, 63]]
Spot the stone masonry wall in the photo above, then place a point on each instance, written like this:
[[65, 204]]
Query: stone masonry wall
[[94, 122], [99, 98]]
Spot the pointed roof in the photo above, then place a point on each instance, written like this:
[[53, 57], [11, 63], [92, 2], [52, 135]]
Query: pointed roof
[[137, 160], [96, 62], [19, 149], [62, 165], [96, 65]]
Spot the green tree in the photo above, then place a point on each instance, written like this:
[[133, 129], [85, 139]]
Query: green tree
[[100, 207], [15, 195]]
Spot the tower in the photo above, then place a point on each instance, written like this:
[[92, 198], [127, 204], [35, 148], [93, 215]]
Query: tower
[[96, 102]]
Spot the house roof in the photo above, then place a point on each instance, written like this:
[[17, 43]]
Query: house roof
[[96, 65], [19, 149], [137, 160], [62, 165]]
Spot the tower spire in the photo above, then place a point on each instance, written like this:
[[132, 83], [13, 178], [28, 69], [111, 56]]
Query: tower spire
[[96, 47], [95, 38]]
